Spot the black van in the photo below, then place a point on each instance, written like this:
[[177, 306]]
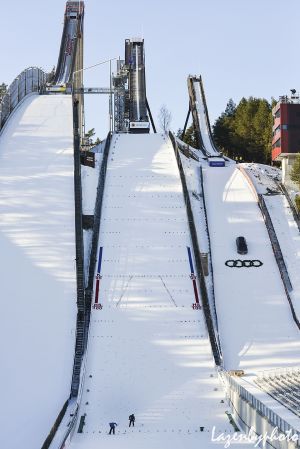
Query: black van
[[241, 245]]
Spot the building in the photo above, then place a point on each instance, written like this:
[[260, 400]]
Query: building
[[286, 134]]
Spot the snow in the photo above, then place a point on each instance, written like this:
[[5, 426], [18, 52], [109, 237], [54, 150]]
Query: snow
[[38, 279], [149, 352], [264, 177], [193, 180], [262, 334], [289, 240]]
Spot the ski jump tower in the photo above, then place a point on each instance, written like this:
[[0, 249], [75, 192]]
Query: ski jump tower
[[131, 107], [69, 70]]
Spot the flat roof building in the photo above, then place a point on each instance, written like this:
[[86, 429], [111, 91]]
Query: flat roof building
[[286, 127], [286, 135]]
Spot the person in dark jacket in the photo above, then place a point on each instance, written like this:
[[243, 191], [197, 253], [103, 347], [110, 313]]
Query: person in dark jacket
[[131, 420], [112, 426]]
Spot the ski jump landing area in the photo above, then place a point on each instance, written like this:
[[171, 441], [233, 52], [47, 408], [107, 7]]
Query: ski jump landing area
[[149, 352]]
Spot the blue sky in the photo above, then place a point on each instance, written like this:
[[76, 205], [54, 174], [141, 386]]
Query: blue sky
[[240, 47]]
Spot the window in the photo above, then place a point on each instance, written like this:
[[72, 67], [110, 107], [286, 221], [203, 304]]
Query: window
[[276, 130], [277, 144], [277, 113]]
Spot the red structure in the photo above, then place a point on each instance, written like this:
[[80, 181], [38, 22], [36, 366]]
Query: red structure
[[286, 128]]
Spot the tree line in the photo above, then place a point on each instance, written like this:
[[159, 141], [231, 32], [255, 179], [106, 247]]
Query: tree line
[[242, 132]]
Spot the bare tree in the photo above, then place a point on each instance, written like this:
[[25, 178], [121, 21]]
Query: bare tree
[[164, 118]]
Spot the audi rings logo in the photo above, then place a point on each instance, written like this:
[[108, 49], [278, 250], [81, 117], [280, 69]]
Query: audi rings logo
[[243, 263]]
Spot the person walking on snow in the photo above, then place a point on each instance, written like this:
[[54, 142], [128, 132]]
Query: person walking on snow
[[112, 426], [131, 420]]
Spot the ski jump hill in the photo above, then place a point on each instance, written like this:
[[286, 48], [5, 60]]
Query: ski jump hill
[[148, 309]]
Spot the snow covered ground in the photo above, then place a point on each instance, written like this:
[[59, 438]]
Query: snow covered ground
[[289, 239], [149, 352], [38, 279], [255, 323], [263, 177]]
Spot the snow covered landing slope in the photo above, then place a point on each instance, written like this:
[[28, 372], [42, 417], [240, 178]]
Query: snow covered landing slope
[[256, 327], [149, 352], [38, 279]]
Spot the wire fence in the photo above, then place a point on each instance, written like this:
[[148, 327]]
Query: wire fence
[[32, 79]]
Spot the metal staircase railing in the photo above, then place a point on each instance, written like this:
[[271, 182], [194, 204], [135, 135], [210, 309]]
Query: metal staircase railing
[[80, 325]]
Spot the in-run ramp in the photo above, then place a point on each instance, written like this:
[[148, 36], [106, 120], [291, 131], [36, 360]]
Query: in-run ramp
[[38, 277], [198, 107], [148, 350], [71, 45]]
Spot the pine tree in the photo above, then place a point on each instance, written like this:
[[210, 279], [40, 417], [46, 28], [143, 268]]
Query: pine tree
[[90, 133], [190, 137], [230, 108], [244, 132]]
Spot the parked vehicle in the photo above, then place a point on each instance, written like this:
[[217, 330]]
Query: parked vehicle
[[241, 245]]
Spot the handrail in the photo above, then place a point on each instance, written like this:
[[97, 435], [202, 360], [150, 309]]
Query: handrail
[[259, 406], [80, 324], [72, 423], [216, 349], [69, 430], [32, 79], [56, 425]]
